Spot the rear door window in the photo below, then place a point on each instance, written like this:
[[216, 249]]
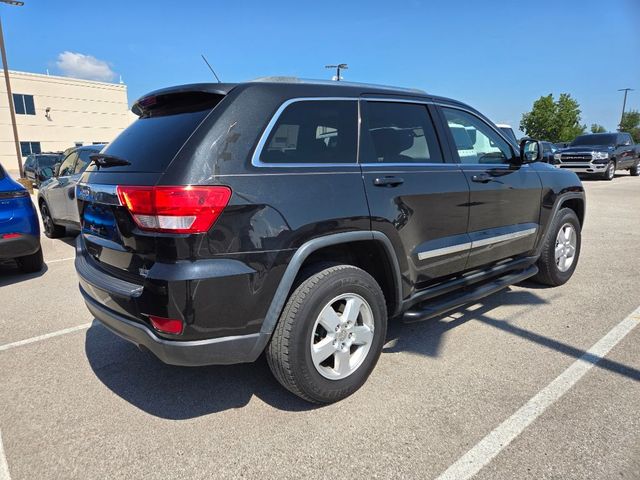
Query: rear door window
[[314, 132], [402, 133]]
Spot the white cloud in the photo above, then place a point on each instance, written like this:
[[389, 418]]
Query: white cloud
[[78, 65]]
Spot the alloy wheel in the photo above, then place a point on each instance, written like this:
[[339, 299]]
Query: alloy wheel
[[342, 336], [566, 244]]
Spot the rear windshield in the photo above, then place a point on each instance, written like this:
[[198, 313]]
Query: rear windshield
[[150, 143], [594, 140]]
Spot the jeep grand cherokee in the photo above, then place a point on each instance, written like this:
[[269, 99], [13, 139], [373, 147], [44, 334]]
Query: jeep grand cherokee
[[294, 217]]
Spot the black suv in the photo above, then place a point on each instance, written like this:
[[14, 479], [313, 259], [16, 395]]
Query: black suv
[[294, 217]]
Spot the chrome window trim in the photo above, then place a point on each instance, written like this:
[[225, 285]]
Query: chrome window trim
[[255, 158], [104, 194], [477, 243]]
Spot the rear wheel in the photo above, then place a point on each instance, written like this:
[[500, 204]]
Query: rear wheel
[[635, 170], [330, 334], [561, 250], [31, 263], [51, 230]]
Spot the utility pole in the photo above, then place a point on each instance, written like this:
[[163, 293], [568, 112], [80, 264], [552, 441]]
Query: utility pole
[[12, 110], [624, 104], [340, 66]]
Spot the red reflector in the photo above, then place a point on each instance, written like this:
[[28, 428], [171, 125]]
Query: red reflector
[[7, 236], [166, 325], [185, 209]]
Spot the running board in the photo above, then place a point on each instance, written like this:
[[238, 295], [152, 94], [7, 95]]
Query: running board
[[466, 296]]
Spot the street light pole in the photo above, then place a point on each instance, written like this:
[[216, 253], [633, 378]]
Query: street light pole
[[624, 104], [12, 110]]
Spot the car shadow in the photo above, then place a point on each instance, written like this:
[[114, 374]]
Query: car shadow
[[10, 273], [181, 393]]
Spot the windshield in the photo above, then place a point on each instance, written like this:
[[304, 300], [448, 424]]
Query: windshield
[[48, 160], [607, 139]]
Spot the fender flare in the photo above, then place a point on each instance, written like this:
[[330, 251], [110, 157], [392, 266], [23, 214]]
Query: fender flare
[[301, 254], [562, 198]]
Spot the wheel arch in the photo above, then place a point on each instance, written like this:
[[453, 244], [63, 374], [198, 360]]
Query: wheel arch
[[339, 242]]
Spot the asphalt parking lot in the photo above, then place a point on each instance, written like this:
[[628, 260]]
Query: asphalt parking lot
[[513, 387]]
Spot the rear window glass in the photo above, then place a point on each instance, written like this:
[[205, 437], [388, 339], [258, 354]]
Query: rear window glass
[[150, 143], [313, 131]]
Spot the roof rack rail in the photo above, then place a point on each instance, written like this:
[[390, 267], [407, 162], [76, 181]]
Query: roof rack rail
[[284, 79]]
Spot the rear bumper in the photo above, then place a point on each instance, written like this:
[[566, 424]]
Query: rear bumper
[[19, 247], [216, 351]]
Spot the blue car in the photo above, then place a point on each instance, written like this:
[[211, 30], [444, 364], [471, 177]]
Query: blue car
[[19, 227]]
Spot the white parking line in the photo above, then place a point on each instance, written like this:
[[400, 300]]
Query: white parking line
[[39, 338], [491, 445], [60, 260], [4, 466]]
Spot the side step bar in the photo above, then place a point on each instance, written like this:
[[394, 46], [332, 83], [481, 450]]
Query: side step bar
[[468, 295]]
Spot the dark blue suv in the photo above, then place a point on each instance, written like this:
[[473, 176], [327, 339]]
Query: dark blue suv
[[19, 227]]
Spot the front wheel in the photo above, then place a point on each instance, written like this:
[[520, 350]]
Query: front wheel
[[330, 334], [635, 170], [610, 172], [561, 250], [51, 230]]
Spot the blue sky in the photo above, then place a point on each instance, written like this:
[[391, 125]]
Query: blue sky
[[498, 56]]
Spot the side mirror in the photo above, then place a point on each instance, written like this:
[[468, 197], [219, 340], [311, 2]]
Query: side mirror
[[530, 151]]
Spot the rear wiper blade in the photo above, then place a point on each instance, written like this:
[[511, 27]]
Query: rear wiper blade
[[106, 160]]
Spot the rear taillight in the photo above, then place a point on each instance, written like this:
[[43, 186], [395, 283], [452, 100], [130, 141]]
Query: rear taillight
[[186, 209], [14, 194], [8, 236], [166, 325]]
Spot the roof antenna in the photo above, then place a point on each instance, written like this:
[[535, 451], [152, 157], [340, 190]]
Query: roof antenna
[[208, 65]]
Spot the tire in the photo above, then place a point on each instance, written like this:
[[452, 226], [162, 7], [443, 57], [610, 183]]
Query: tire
[[31, 263], [552, 271], [610, 171], [289, 353], [51, 230], [635, 170]]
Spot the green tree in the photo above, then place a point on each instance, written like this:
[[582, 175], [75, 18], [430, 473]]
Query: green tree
[[554, 121], [597, 128], [631, 124]]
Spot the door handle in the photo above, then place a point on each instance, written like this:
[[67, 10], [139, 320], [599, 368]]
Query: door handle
[[388, 181], [481, 178]]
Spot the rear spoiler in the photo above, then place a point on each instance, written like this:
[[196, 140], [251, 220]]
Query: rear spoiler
[[182, 98]]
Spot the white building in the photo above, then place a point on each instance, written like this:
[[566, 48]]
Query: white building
[[54, 113]]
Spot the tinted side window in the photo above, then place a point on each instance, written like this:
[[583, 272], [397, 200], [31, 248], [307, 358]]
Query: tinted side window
[[67, 165], [626, 138], [402, 133], [83, 160], [475, 141], [323, 131]]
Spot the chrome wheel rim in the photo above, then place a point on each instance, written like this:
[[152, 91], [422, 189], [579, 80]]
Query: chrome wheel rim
[[566, 243], [341, 336], [611, 171]]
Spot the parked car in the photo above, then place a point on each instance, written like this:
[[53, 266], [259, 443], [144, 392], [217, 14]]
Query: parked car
[[296, 217], [19, 227], [600, 154], [508, 132], [548, 151], [39, 167], [56, 197]]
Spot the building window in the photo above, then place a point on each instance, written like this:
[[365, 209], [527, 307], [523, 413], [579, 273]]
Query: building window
[[28, 148], [24, 104]]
